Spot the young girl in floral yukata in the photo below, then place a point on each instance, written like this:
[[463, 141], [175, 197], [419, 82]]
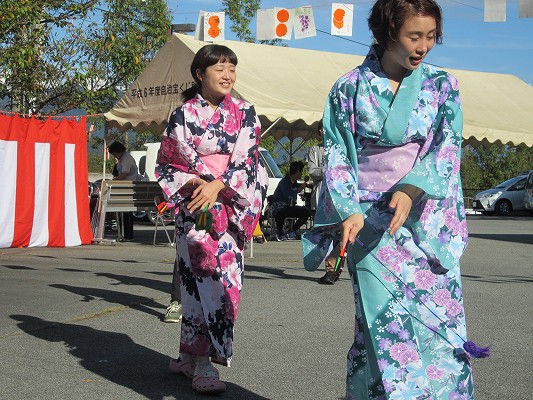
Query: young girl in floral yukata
[[208, 162], [392, 154]]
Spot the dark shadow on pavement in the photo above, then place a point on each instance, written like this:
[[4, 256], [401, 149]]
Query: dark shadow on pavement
[[110, 260], [515, 238], [133, 301], [164, 287], [18, 267], [275, 272], [118, 359], [72, 270]]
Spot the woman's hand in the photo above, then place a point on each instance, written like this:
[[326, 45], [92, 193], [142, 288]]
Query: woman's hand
[[401, 204], [350, 227], [205, 194]]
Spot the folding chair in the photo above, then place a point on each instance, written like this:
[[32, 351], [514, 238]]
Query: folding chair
[[162, 212]]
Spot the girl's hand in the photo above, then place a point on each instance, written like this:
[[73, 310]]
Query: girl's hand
[[205, 195], [193, 183], [401, 204], [350, 227]]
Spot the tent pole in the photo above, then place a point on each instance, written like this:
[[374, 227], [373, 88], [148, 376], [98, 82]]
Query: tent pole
[[270, 127], [105, 151]]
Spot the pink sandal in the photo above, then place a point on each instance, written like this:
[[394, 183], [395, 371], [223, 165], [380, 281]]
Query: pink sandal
[[206, 379], [182, 367]]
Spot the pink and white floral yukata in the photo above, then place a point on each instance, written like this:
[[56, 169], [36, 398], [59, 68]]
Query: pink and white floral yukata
[[222, 144]]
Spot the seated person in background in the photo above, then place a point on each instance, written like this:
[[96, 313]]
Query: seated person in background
[[126, 170], [284, 202]]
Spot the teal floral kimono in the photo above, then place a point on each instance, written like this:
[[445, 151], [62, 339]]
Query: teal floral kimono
[[408, 299]]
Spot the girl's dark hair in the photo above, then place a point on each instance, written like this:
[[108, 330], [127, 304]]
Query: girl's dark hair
[[387, 17], [205, 57]]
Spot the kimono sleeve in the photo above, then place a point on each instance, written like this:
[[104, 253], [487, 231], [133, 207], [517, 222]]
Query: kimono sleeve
[[242, 173], [440, 156], [176, 159], [440, 223], [339, 197], [339, 193]]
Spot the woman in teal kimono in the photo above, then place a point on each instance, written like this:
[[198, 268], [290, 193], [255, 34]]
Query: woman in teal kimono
[[392, 197]]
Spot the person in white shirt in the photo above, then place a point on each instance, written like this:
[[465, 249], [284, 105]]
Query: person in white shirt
[[127, 171]]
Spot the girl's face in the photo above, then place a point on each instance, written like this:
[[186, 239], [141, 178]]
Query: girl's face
[[217, 81], [415, 40]]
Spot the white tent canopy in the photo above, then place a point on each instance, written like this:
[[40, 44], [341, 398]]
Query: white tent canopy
[[290, 86]]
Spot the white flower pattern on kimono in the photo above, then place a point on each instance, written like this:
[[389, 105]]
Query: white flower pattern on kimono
[[432, 314], [416, 306]]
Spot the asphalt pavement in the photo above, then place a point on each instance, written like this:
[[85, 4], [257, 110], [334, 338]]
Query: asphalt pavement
[[86, 322]]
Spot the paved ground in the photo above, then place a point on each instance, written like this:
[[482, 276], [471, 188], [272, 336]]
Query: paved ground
[[84, 322]]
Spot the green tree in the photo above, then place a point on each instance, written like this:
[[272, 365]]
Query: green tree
[[484, 167], [61, 55], [241, 12]]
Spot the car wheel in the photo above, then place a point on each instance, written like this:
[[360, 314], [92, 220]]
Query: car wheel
[[139, 215], [504, 207], [168, 217]]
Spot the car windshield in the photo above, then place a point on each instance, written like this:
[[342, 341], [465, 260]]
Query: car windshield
[[529, 184], [508, 182], [268, 162]]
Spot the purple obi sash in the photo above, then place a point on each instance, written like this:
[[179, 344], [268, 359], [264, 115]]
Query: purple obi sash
[[381, 167]]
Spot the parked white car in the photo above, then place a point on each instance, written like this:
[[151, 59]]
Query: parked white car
[[502, 199], [528, 196]]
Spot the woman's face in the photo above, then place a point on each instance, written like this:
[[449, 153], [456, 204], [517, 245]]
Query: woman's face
[[415, 40], [218, 80]]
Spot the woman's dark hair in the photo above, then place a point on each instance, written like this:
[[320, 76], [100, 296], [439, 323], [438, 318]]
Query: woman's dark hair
[[387, 17], [205, 57], [116, 147]]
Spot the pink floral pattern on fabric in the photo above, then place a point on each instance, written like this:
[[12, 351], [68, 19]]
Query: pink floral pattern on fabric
[[211, 262], [194, 131]]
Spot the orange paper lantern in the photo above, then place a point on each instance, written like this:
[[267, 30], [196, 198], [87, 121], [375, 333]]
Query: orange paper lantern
[[213, 31]]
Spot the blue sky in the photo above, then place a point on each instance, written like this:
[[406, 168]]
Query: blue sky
[[469, 42]]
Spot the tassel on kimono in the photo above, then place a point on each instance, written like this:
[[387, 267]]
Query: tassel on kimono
[[469, 348], [476, 351]]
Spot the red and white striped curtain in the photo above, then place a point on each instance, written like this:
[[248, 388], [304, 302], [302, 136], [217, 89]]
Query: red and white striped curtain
[[43, 182]]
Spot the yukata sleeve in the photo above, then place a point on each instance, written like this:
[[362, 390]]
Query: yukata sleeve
[[339, 197], [177, 162], [241, 175], [339, 194], [438, 164], [441, 219]]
